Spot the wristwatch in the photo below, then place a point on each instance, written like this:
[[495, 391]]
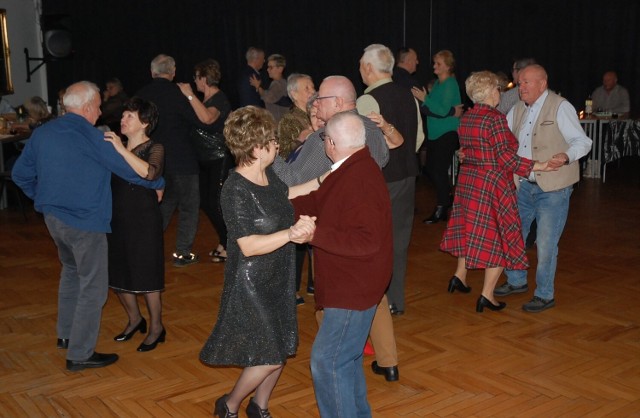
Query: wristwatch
[[190, 98]]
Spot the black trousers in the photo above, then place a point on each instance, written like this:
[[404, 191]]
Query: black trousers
[[212, 176], [439, 156]]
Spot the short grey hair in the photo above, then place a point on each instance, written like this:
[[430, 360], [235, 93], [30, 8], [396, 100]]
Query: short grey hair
[[253, 53], [278, 59], [163, 65], [380, 57], [350, 128], [79, 94], [523, 62], [292, 82]]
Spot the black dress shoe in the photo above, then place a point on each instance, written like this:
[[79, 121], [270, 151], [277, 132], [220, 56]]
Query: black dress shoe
[[254, 410], [394, 310], [96, 360], [391, 374], [456, 284], [439, 214], [221, 408], [486, 303], [148, 347], [142, 327], [63, 343]]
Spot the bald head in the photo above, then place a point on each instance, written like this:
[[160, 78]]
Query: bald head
[[336, 94], [340, 86], [345, 135], [609, 80], [532, 83]]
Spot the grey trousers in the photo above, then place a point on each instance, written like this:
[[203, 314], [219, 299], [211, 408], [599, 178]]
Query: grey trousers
[[403, 198], [83, 288], [182, 192]]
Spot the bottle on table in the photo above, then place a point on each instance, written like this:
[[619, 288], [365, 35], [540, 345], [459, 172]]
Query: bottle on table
[[588, 106]]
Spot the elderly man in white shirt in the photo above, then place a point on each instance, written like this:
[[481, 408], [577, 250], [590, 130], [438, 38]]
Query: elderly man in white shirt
[[547, 128]]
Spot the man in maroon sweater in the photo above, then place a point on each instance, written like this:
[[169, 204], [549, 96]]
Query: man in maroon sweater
[[353, 256]]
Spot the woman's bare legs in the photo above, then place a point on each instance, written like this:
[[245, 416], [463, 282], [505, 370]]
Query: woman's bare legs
[[262, 379]]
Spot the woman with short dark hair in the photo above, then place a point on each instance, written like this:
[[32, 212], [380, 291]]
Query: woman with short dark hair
[[213, 110], [136, 246]]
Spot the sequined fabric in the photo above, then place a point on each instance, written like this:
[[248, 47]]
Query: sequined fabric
[[257, 321]]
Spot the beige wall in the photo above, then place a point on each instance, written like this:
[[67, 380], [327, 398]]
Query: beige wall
[[24, 32]]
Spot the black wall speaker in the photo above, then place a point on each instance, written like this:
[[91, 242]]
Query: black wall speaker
[[57, 43], [56, 35]]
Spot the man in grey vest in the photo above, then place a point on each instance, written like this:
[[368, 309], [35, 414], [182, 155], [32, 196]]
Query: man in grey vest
[[547, 128]]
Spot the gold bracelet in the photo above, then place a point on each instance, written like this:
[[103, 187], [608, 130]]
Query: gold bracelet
[[319, 181], [391, 131]]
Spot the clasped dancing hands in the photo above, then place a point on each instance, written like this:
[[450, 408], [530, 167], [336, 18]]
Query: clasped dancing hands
[[302, 231]]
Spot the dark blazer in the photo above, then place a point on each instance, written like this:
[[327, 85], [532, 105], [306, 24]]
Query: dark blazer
[[175, 122], [247, 94]]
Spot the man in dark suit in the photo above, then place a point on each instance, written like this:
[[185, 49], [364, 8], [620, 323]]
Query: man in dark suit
[[181, 169], [247, 94]]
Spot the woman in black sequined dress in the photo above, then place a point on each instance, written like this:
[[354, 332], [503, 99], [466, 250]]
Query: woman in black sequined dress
[[257, 324]]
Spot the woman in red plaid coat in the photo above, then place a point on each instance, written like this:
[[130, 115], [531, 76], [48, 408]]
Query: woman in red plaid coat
[[484, 230]]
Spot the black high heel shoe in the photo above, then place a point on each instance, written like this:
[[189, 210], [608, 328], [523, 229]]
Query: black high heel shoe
[[222, 410], [439, 214], [456, 284], [142, 327], [486, 303], [254, 411], [149, 347]]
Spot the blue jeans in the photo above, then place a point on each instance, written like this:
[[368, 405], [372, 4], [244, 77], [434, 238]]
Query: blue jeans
[[336, 363], [83, 285], [550, 210], [182, 192]]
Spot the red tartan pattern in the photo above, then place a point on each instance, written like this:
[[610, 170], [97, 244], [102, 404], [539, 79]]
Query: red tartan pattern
[[484, 226]]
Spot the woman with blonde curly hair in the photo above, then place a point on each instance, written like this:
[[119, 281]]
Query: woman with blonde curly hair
[[257, 324], [484, 230]]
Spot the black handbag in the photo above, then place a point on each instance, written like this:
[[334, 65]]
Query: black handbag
[[209, 146]]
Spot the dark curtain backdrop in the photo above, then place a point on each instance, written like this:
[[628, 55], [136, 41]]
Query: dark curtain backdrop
[[576, 40]]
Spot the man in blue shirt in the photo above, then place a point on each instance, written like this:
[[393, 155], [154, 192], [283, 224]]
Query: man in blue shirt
[[66, 169]]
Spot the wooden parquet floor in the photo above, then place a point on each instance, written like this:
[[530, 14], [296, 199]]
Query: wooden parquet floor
[[579, 359]]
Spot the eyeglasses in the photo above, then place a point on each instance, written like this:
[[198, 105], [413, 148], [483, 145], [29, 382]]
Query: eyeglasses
[[323, 136], [324, 97]]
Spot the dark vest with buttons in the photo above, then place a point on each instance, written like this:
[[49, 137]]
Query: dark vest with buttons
[[398, 107]]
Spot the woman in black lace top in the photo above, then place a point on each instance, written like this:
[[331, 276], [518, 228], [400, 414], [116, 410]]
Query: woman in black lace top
[[136, 248]]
